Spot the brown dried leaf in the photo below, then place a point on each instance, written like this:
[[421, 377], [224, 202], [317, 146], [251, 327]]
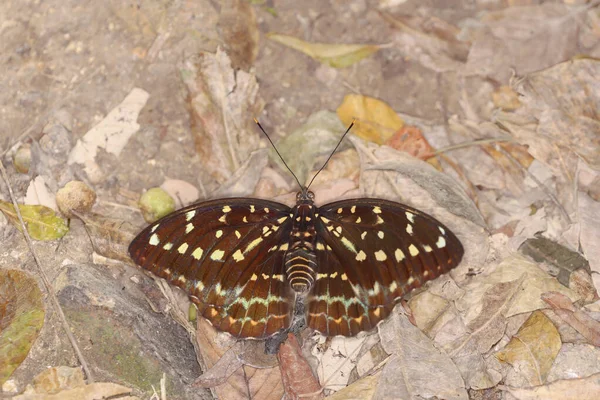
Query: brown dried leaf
[[21, 318], [567, 389], [410, 140], [223, 103], [298, 379], [237, 25], [532, 351], [581, 321], [246, 382], [110, 237], [363, 389]]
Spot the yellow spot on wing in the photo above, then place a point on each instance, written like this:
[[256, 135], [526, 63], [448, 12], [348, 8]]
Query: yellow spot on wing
[[238, 256], [189, 227], [377, 210], [226, 209], [183, 248], [399, 255], [361, 256], [253, 244], [441, 242], [217, 255], [219, 233], [189, 215], [413, 250], [380, 255], [168, 246], [348, 244], [197, 254], [320, 246]]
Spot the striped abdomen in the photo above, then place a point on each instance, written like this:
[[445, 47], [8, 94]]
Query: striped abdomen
[[300, 260]]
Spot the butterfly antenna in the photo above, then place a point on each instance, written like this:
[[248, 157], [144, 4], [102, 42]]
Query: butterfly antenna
[[332, 153], [277, 151]]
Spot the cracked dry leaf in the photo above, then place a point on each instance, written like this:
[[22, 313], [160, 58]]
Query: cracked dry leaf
[[223, 102], [42, 222], [332, 54], [374, 120], [21, 318], [532, 351]]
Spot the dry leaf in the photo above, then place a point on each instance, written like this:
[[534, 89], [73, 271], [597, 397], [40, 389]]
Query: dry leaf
[[363, 389], [246, 382], [298, 379], [223, 102], [410, 140], [408, 373], [110, 237], [42, 222], [532, 351], [21, 318], [580, 320], [113, 132], [374, 120], [567, 389], [334, 55], [237, 26], [309, 145]]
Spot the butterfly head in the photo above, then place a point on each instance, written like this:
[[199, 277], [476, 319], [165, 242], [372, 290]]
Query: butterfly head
[[305, 196]]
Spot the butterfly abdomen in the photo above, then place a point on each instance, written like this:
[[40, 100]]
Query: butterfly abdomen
[[300, 260]]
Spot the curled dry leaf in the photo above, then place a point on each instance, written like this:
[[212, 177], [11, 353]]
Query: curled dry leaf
[[579, 320], [21, 318], [298, 379], [334, 55], [42, 222], [532, 351], [374, 120], [223, 102]]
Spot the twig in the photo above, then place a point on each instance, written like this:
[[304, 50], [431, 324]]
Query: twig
[[46, 281]]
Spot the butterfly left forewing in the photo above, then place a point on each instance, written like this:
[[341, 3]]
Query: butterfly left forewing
[[384, 250], [225, 255]]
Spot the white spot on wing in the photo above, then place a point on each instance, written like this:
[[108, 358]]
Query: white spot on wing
[[427, 249], [226, 209], [377, 210], [348, 244], [320, 246], [353, 209], [219, 233], [380, 234], [441, 242], [284, 247], [393, 286], [379, 220], [410, 216], [443, 232], [363, 235], [168, 246], [189, 215], [409, 229], [253, 244], [189, 227], [154, 240], [238, 234]]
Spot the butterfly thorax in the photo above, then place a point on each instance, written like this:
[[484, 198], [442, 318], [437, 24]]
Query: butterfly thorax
[[300, 259]]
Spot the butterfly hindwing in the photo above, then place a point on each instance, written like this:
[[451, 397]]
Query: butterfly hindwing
[[370, 253], [227, 255]]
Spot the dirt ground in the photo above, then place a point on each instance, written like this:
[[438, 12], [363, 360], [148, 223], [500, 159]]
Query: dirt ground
[[127, 96]]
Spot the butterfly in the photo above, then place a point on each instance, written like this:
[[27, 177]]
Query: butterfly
[[247, 262]]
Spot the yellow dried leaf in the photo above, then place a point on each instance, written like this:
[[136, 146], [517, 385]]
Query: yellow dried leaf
[[334, 55], [533, 349], [375, 120], [42, 222]]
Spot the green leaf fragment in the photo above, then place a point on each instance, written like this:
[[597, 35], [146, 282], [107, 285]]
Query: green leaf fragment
[[41, 221]]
